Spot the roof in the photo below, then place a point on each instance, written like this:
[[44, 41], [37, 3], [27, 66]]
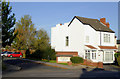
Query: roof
[[94, 23], [90, 46], [107, 47]]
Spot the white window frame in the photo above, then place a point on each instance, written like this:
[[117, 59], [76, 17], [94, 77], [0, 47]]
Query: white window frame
[[93, 54], [107, 38], [87, 54], [108, 56]]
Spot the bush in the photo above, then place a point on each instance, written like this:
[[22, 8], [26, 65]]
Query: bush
[[116, 55], [49, 54], [27, 53], [76, 59], [118, 60], [38, 54]]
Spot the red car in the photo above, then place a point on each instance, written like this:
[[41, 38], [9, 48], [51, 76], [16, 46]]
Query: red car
[[14, 54]]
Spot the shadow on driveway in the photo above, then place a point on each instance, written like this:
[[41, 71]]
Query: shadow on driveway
[[99, 73]]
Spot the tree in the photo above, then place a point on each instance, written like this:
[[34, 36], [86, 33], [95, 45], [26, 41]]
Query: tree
[[42, 40], [8, 22], [26, 33]]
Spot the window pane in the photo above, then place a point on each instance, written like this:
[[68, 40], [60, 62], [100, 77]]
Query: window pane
[[108, 56], [67, 41]]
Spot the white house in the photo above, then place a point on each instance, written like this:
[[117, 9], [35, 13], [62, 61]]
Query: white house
[[84, 37]]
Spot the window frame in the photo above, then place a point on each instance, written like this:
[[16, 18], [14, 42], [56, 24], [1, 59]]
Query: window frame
[[106, 38]]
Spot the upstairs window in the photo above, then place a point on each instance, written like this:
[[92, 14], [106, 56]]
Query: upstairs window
[[107, 38], [67, 40]]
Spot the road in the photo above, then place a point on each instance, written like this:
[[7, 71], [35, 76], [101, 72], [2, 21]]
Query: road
[[30, 69]]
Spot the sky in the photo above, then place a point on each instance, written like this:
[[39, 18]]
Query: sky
[[48, 14]]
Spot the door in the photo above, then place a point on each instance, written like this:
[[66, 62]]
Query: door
[[100, 56]]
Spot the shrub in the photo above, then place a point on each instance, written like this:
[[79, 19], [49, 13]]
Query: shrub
[[116, 55], [38, 54], [118, 60], [76, 59], [27, 53], [49, 54]]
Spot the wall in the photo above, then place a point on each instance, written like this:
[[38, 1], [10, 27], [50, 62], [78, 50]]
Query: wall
[[93, 36], [76, 30]]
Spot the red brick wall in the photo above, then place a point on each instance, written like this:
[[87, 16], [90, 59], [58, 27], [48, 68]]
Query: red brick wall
[[67, 53], [90, 63]]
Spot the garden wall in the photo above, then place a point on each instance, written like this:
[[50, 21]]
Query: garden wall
[[90, 63]]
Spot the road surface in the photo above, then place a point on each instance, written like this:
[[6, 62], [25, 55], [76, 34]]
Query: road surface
[[30, 69]]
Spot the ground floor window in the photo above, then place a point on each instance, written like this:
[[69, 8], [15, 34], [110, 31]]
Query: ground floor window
[[93, 55], [108, 56], [87, 54]]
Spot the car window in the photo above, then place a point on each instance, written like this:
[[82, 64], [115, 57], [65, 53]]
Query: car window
[[17, 53], [9, 52]]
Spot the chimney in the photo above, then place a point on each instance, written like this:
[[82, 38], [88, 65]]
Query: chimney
[[103, 20], [60, 24], [108, 25]]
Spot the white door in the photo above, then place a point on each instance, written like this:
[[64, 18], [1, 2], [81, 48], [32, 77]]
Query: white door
[[100, 56]]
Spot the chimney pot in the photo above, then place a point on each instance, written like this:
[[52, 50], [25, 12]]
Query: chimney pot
[[108, 25], [103, 20]]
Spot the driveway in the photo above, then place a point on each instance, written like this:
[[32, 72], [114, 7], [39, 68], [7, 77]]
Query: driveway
[[30, 69]]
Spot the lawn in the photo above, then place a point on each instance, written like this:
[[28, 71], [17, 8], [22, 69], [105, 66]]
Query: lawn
[[50, 61], [63, 63]]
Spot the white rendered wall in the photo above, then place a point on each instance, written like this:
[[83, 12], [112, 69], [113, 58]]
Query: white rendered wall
[[76, 30]]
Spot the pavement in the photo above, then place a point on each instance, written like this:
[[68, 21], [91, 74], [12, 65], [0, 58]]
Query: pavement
[[31, 69], [60, 65]]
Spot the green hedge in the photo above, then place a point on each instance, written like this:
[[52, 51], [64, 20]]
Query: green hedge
[[76, 59], [116, 55], [118, 60]]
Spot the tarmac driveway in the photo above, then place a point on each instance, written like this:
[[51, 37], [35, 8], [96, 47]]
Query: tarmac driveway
[[30, 69]]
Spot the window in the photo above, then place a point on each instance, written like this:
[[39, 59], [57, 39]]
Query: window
[[67, 41], [17, 53], [93, 54], [107, 38], [87, 54], [108, 56], [87, 39]]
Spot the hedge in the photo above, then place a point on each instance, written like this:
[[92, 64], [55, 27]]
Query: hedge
[[116, 55], [76, 59], [118, 60]]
